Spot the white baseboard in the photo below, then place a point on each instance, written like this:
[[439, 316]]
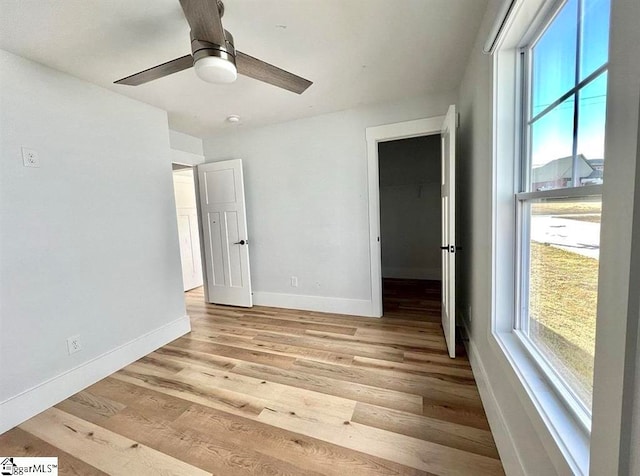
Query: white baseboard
[[501, 434], [353, 307], [412, 273], [29, 403]]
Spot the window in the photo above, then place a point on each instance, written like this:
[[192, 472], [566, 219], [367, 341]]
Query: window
[[558, 204]]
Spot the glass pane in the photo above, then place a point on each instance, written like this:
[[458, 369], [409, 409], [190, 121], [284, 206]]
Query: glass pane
[[595, 36], [592, 104], [552, 148], [554, 59], [563, 287]]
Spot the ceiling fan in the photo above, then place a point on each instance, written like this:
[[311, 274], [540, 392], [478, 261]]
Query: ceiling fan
[[213, 55]]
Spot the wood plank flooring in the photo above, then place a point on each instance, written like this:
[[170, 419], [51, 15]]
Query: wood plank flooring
[[280, 392]]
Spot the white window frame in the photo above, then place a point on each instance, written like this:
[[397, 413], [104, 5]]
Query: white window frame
[[564, 431], [525, 196]]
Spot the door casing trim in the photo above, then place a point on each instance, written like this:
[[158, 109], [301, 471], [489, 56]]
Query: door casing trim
[[374, 135]]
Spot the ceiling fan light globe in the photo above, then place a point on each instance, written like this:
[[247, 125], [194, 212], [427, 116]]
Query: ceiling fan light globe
[[215, 70]]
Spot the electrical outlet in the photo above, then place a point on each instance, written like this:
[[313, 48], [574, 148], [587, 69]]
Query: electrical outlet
[[294, 281], [30, 158], [73, 344]]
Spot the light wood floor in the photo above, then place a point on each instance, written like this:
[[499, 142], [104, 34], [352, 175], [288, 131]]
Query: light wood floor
[[273, 391]]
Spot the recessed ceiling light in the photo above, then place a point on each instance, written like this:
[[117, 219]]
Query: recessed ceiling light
[[233, 119]]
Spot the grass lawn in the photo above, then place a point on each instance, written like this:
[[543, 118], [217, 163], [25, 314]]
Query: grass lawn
[[590, 218], [578, 207], [562, 307]]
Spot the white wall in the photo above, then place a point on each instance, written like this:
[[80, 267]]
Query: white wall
[[185, 142], [74, 258], [525, 444], [634, 433], [409, 172], [307, 210], [619, 279], [185, 149]]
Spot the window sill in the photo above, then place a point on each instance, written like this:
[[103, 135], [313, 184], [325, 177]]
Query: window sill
[[555, 423]]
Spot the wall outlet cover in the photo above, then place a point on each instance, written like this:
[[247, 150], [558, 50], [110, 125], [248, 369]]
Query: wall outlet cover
[[30, 157], [73, 344]]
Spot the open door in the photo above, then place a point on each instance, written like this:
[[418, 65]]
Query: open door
[[448, 247], [224, 232]]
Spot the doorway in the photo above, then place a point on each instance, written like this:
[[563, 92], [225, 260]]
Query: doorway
[[188, 231], [410, 226], [445, 127], [375, 136]]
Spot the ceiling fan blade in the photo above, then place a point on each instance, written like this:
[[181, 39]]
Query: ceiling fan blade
[[257, 69], [164, 69], [203, 17]]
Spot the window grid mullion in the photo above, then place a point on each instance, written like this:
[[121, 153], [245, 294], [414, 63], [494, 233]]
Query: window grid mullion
[[576, 97], [592, 77], [556, 193]]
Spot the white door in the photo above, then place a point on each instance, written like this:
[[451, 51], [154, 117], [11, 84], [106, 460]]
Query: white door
[[224, 231], [185, 194], [448, 244]]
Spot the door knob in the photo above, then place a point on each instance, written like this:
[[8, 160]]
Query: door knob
[[241, 242]]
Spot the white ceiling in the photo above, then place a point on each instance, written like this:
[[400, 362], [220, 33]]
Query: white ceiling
[[355, 51]]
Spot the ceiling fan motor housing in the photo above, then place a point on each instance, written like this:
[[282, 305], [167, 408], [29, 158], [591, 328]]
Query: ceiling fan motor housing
[[200, 49]]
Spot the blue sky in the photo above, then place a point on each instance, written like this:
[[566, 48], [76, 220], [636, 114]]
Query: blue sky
[[554, 73]]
